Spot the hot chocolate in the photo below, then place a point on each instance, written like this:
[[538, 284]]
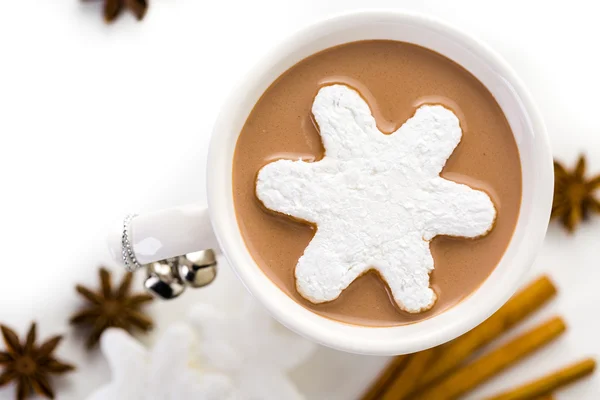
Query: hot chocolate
[[395, 79]]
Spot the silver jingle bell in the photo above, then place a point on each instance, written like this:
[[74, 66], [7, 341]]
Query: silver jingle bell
[[198, 269], [163, 279]]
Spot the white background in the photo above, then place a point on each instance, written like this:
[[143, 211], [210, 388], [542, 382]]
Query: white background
[[97, 121]]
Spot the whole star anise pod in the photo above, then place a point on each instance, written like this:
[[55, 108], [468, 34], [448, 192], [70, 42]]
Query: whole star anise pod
[[112, 8], [110, 308], [28, 365], [574, 196]]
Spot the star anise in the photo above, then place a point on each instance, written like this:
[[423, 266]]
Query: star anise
[[574, 196], [113, 8], [110, 308], [28, 365]]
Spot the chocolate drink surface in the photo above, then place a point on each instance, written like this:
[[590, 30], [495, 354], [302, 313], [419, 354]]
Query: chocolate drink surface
[[395, 79]]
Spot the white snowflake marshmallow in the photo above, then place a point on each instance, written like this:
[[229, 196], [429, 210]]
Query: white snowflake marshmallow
[[165, 372], [377, 200]]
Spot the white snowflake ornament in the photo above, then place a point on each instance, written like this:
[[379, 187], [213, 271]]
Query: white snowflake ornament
[[166, 372], [377, 200], [252, 348]]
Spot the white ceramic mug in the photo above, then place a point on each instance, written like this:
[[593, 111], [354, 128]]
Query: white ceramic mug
[[178, 231]]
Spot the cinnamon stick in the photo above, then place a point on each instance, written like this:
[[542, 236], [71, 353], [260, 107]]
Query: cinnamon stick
[[519, 307], [391, 370], [473, 374], [406, 381], [549, 383]]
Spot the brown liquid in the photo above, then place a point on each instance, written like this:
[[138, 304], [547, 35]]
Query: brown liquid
[[395, 78]]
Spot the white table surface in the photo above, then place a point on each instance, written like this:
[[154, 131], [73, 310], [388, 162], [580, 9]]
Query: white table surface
[[97, 121]]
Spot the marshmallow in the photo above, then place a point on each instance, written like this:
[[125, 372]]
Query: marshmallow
[[377, 200], [166, 371]]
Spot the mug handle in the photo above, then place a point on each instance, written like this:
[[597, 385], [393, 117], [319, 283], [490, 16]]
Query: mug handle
[[159, 235]]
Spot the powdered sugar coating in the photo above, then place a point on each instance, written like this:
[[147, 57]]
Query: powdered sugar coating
[[377, 200]]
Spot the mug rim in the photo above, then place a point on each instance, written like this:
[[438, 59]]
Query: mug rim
[[353, 338]]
